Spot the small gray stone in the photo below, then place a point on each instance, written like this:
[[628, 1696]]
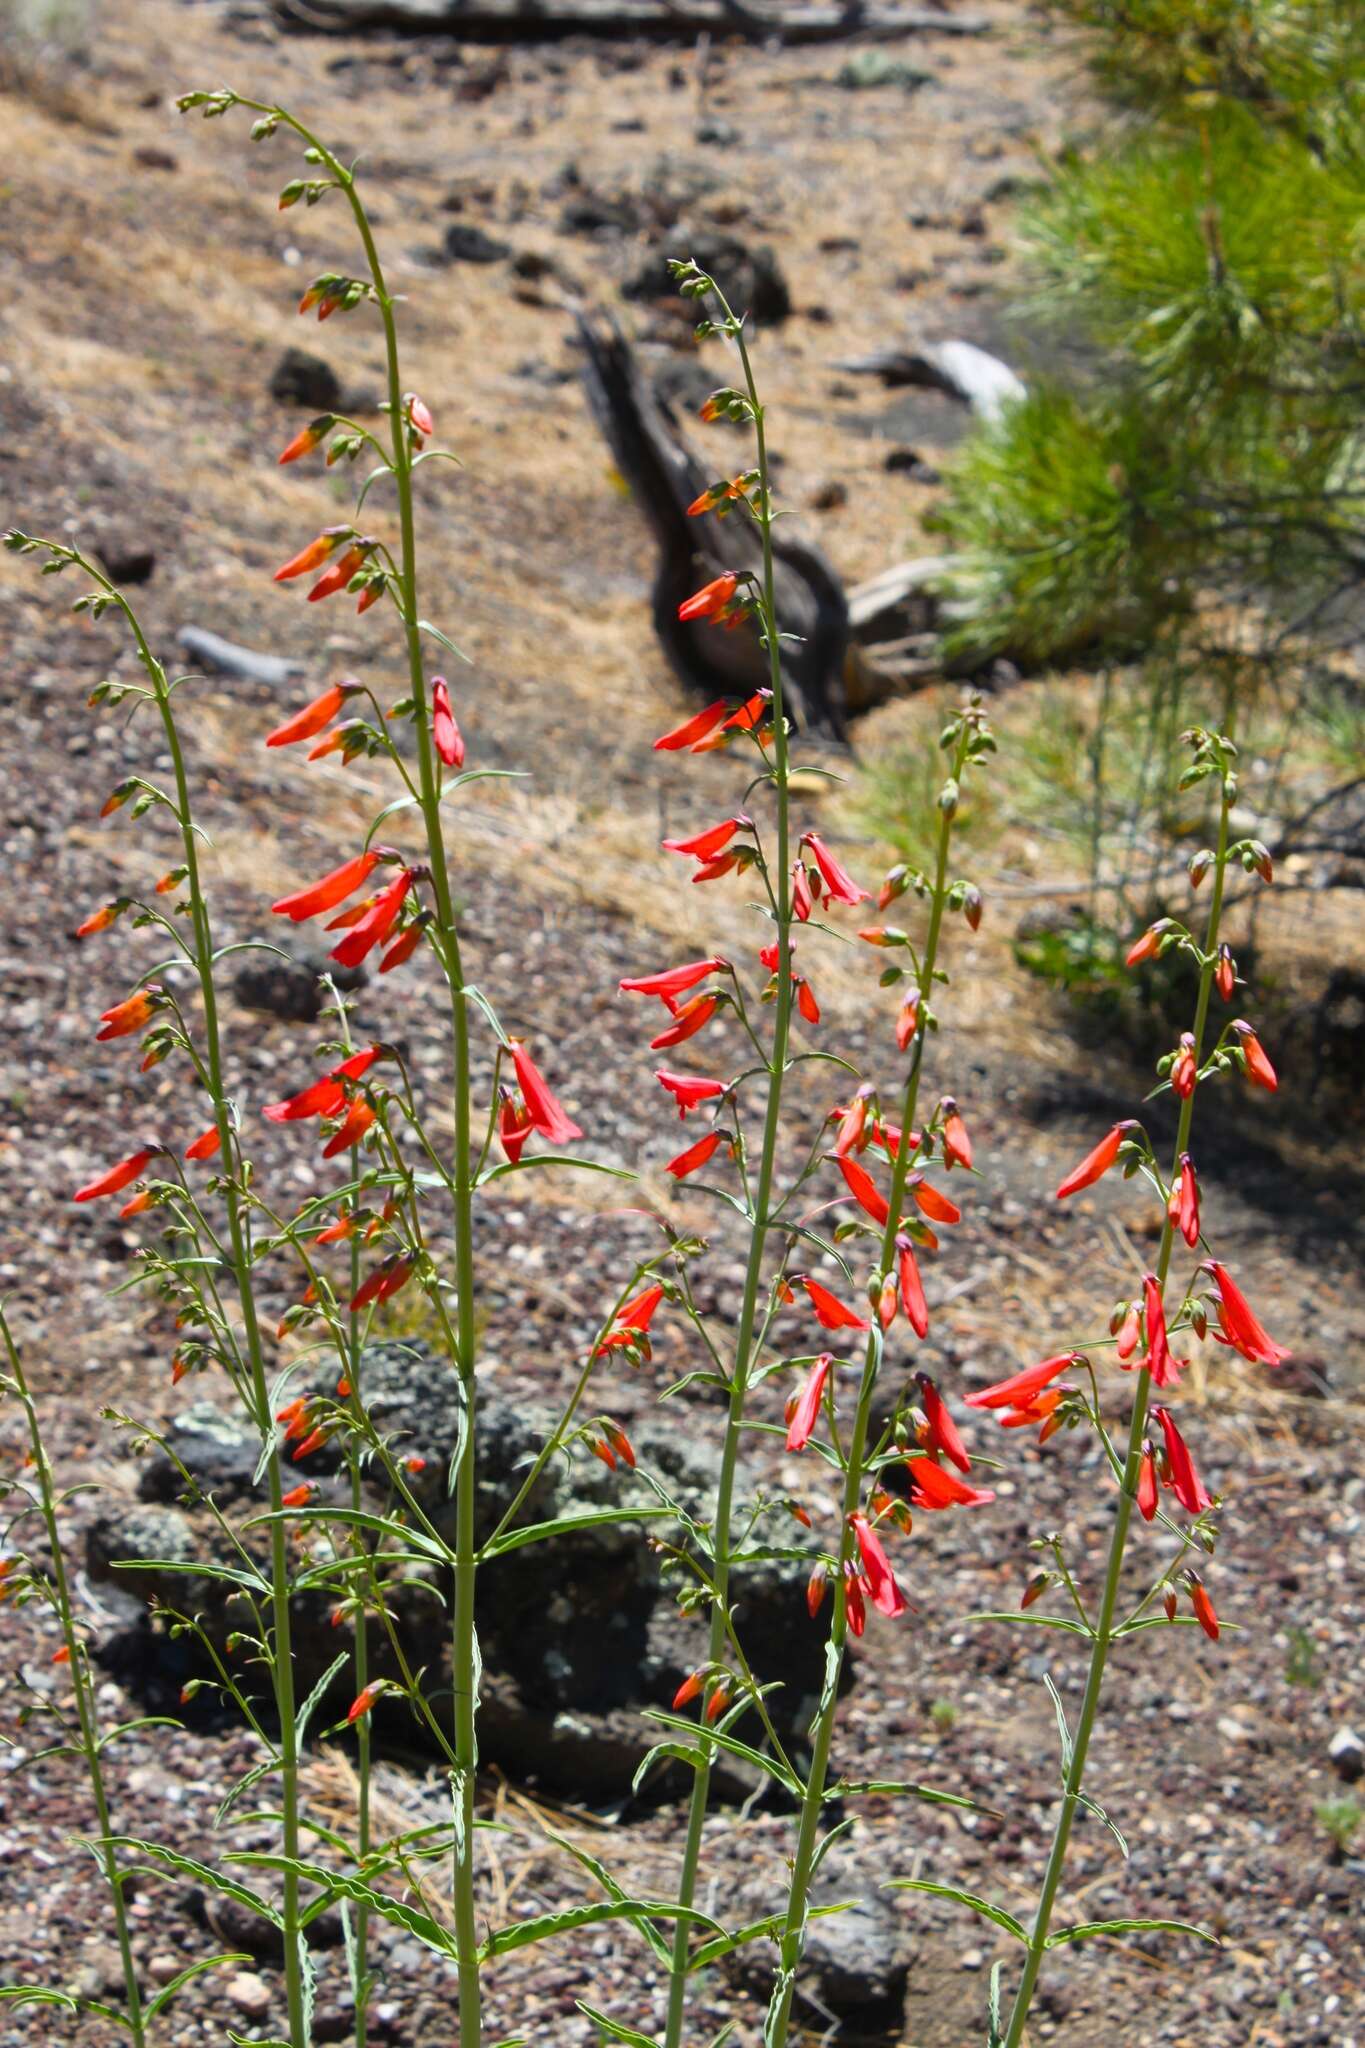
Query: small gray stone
[[1347, 1753], [249, 1993]]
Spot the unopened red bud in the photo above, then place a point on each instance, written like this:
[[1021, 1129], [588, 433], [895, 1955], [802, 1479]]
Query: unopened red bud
[[718, 1702], [1035, 1588], [689, 1690], [816, 1587], [363, 1701], [1170, 1603]]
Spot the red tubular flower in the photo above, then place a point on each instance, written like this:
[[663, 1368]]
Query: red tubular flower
[[1203, 1610], [864, 1190], [1129, 1330], [690, 1689], [805, 1000], [706, 845], [314, 1441], [304, 724], [887, 1596], [932, 1204], [697, 728], [1185, 1069], [688, 1090], [359, 1117], [363, 1701], [941, 1431], [98, 921], [673, 981], [313, 555], [907, 1022], [338, 576], [855, 1609], [710, 601], [1097, 1163], [1258, 1068], [370, 1289], [1158, 1361], [639, 1314], [403, 948], [1019, 1390], [687, 1022], [1238, 1326], [308, 438], [934, 1488], [127, 1017], [806, 1413], [829, 1310], [912, 1288], [322, 1098], [1225, 974], [546, 1114], [839, 885], [117, 1177], [852, 1125], [620, 1443], [603, 1451], [802, 901], [1148, 944], [1183, 1205], [331, 890], [1186, 1484], [957, 1145], [695, 1156], [376, 924], [206, 1145], [1146, 1485], [335, 1232], [298, 1496], [445, 733], [514, 1127]]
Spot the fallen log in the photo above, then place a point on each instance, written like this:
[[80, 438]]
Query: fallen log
[[807, 21], [664, 475], [965, 372], [225, 658]]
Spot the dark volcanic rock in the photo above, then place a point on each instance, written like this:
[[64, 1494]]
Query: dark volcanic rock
[[748, 273], [578, 1635], [291, 989], [301, 379], [467, 243]]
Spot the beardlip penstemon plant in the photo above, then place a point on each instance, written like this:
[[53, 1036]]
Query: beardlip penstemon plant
[[893, 1224], [1156, 1461], [886, 1438]]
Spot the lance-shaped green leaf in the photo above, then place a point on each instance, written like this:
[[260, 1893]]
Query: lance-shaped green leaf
[[613, 1890], [336, 1884], [216, 1880], [541, 1532], [716, 1738], [770, 1927], [1086, 1930], [613, 2030], [168, 1991], [995, 1914], [1073, 1628], [901, 1788], [542, 1926]]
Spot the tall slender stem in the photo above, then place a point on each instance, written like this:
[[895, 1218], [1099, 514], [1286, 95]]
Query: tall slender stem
[[461, 1179], [758, 1239], [1123, 1513], [80, 1685], [241, 1260], [808, 1829]]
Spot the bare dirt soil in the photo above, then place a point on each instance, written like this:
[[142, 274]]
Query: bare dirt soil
[[148, 285]]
